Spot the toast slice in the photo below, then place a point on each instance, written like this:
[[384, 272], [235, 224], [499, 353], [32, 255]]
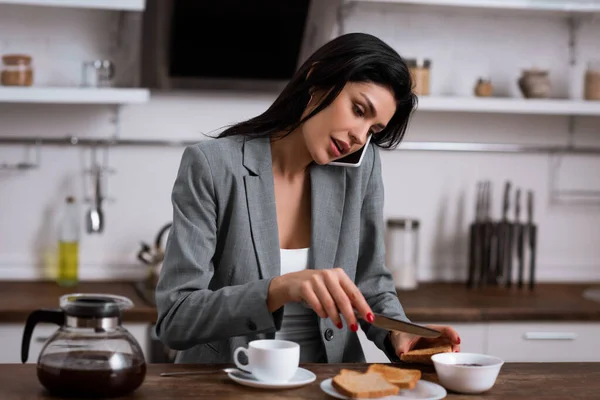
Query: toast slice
[[403, 378], [423, 356], [349, 372], [369, 385]]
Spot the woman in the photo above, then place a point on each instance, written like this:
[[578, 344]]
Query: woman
[[268, 241]]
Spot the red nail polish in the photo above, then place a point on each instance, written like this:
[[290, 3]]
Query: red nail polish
[[340, 325], [354, 327], [370, 317], [458, 341]]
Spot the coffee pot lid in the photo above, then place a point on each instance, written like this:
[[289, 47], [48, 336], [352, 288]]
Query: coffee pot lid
[[94, 305]]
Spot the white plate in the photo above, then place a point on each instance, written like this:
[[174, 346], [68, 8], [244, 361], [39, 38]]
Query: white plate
[[301, 378], [423, 391]]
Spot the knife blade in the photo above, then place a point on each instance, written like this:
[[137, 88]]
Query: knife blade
[[393, 324]]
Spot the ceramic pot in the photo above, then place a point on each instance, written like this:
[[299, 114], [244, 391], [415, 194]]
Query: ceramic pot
[[535, 84]]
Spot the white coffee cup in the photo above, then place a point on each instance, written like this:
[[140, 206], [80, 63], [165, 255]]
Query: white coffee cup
[[270, 360]]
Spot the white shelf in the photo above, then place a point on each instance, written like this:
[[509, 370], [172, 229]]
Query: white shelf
[[128, 5], [57, 95], [576, 6], [510, 105]]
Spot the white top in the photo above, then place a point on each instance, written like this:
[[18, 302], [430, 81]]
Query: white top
[[293, 260], [300, 324]]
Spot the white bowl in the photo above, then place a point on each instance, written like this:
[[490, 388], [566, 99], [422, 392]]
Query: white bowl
[[454, 375]]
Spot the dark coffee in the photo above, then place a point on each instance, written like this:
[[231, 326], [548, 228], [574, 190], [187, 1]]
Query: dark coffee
[[89, 374], [470, 365]]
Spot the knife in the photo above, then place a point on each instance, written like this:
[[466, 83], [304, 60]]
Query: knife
[[474, 240], [519, 228], [393, 324], [504, 234], [487, 260], [532, 239]]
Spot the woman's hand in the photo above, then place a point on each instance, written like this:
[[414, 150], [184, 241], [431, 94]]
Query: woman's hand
[[404, 342], [327, 291]]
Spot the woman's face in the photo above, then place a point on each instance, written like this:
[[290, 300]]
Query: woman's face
[[360, 109]]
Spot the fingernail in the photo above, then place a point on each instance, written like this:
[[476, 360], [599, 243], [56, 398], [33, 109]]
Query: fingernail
[[354, 327], [458, 341], [340, 325], [371, 318], [456, 351]]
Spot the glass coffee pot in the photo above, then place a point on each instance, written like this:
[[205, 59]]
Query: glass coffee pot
[[91, 354]]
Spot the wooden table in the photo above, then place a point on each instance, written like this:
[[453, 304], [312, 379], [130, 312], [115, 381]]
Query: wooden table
[[516, 381]]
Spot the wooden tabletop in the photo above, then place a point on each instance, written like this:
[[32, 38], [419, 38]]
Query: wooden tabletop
[[515, 381], [431, 302]]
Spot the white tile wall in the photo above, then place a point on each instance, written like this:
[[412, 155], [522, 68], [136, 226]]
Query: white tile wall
[[437, 188]]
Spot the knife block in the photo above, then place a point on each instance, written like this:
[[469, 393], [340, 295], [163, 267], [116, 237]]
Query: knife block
[[502, 254]]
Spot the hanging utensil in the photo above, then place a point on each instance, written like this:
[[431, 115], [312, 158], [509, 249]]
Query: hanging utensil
[[94, 216], [99, 198]]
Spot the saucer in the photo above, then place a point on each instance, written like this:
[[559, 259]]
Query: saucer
[[424, 390], [301, 378]]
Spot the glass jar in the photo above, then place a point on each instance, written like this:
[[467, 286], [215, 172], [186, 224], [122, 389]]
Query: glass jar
[[419, 69], [592, 81], [402, 251], [16, 70]]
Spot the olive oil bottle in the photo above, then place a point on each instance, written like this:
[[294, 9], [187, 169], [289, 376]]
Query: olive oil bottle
[[68, 246]]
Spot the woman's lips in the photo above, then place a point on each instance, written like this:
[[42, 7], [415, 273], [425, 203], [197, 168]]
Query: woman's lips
[[333, 149]]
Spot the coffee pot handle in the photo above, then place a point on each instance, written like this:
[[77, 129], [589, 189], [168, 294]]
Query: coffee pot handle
[[52, 316]]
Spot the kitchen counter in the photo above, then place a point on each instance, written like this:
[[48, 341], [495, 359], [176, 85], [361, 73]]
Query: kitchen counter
[[452, 302], [535, 380], [20, 298], [431, 302]]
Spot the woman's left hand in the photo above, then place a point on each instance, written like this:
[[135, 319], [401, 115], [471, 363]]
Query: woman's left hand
[[404, 342]]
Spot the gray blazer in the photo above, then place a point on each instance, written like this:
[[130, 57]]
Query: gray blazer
[[223, 250]]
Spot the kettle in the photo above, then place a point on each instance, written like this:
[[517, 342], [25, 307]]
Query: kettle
[[154, 256], [91, 354]]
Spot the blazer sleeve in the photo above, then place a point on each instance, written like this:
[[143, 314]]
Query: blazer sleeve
[[373, 278], [189, 313]]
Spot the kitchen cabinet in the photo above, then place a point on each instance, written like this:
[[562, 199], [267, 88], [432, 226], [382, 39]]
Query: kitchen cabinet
[[544, 341], [526, 341], [12, 334]]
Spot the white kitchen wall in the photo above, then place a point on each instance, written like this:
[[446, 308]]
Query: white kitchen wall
[[438, 188]]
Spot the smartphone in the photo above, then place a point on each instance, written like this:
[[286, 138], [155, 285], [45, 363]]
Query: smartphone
[[354, 159]]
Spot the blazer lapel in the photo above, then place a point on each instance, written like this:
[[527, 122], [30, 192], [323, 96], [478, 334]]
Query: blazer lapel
[[328, 186], [260, 196]]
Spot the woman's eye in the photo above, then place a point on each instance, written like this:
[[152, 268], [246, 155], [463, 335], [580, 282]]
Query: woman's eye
[[358, 111]]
